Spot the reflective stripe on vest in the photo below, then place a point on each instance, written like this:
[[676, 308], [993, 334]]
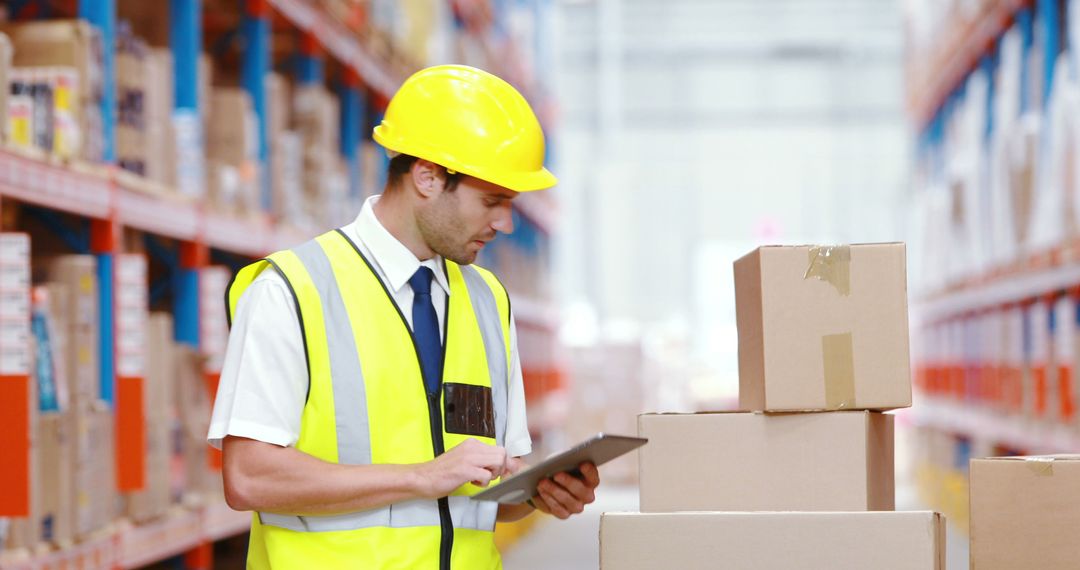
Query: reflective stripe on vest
[[360, 359]]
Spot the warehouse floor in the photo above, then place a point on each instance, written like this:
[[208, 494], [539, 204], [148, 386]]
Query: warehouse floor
[[574, 544]]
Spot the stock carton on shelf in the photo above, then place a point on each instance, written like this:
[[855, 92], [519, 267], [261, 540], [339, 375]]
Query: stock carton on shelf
[[1025, 512], [823, 328], [833, 461], [773, 541], [69, 44], [154, 501], [78, 276], [93, 468]]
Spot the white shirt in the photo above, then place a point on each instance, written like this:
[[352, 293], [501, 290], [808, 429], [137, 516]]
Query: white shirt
[[264, 378]]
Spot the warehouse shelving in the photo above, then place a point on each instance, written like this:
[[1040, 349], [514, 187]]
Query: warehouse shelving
[[110, 201], [931, 81], [1010, 288], [1010, 430], [124, 546], [990, 331]]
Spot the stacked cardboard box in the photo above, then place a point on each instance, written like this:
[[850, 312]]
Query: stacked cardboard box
[[154, 500], [132, 78], [317, 115], [6, 52], [66, 45], [1024, 511], [287, 154], [232, 152], [74, 297], [822, 350]]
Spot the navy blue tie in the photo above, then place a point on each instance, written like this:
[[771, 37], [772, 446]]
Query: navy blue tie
[[426, 330]]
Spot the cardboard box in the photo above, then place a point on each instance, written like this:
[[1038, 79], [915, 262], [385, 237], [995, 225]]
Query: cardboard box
[[6, 52], [154, 500], [1024, 512], [78, 275], [838, 461], [54, 457], [67, 43], [774, 541], [232, 136], [280, 109], [823, 328], [94, 468], [194, 406]]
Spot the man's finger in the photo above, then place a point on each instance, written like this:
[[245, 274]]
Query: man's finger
[[576, 487], [554, 506], [565, 499], [591, 473]]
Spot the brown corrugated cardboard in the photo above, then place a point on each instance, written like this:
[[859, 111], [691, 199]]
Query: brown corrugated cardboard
[[66, 43], [194, 413], [6, 51], [823, 328], [1025, 512], [774, 541], [94, 469], [54, 456], [154, 501], [78, 275], [280, 107], [231, 136], [833, 461]]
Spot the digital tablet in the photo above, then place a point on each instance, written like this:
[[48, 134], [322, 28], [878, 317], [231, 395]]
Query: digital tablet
[[598, 449]]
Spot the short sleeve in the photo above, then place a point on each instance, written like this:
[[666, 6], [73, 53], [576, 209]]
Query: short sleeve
[[264, 378]]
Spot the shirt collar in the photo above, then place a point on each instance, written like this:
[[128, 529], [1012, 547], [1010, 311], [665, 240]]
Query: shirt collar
[[398, 264]]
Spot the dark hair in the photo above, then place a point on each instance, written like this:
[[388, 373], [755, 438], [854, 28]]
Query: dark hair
[[401, 164]]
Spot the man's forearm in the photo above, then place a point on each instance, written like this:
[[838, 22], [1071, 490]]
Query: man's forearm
[[264, 477]]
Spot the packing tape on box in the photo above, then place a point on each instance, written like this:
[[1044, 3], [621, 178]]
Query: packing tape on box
[[839, 362], [1041, 466], [831, 264]]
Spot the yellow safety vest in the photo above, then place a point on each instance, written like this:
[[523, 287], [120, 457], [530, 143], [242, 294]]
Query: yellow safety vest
[[367, 405]]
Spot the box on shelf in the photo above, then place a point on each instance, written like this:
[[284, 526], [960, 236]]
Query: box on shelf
[[6, 52], [823, 328], [78, 275], [72, 44], [94, 467], [54, 441], [278, 95], [774, 541], [836, 461], [232, 137], [160, 140], [287, 179], [1023, 512], [154, 500], [194, 404]]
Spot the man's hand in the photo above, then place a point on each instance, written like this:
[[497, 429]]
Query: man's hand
[[470, 461], [564, 495]]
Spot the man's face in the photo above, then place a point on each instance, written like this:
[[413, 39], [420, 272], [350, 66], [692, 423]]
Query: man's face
[[458, 224]]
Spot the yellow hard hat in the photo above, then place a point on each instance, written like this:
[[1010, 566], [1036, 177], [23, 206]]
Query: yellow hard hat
[[468, 121]]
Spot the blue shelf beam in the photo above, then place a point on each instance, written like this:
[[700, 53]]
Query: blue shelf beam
[[310, 69], [352, 117], [185, 37], [255, 33], [102, 14]]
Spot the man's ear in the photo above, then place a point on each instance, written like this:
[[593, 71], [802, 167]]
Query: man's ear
[[425, 177]]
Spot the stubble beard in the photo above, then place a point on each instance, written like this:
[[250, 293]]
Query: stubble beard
[[442, 229]]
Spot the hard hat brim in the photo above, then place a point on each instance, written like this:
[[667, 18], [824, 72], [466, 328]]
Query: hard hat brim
[[517, 181]]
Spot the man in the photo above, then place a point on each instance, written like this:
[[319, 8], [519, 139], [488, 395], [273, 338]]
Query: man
[[371, 382]]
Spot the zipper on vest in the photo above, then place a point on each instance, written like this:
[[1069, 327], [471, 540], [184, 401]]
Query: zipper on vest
[[446, 545]]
